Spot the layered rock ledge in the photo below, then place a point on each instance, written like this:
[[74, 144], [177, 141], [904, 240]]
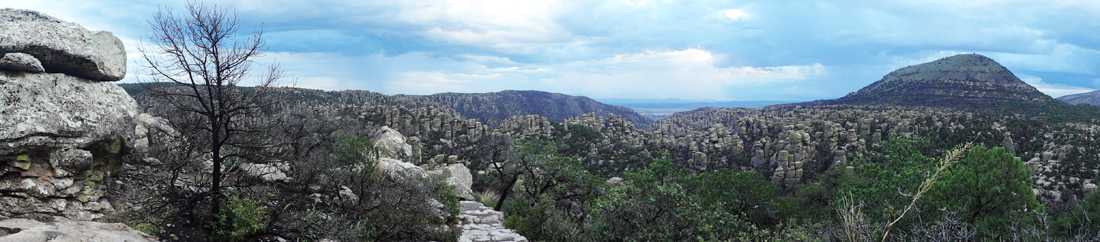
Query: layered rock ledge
[[63, 132]]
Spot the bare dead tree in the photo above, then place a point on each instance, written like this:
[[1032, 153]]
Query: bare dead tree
[[196, 63]]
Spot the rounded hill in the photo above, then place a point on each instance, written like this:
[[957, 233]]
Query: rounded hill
[[960, 81]]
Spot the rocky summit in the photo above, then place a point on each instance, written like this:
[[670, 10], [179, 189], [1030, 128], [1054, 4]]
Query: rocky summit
[[960, 81]]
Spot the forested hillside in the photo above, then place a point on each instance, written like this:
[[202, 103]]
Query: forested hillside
[[787, 172]]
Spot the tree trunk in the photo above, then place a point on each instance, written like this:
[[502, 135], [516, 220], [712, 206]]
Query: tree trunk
[[504, 194], [216, 179]]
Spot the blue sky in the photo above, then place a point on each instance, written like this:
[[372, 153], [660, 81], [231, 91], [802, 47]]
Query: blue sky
[[714, 50]]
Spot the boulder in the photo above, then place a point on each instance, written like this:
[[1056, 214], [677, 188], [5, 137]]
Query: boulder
[[462, 190], [148, 129], [614, 181], [26, 230], [391, 144], [266, 172], [63, 47], [39, 110], [401, 170], [458, 176], [62, 132], [21, 62]]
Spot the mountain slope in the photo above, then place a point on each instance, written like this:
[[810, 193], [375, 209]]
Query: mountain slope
[[1091, 98], [960, 81], [492, 108], [488, 108]]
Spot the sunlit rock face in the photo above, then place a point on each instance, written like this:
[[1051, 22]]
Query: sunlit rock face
[[63, 131], [63, 47]]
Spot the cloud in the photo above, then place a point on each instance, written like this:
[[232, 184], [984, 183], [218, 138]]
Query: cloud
[[1052, 89], [656, 74], [734, 14]]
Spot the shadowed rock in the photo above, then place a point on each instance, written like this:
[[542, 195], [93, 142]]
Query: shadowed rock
[[21, 62]]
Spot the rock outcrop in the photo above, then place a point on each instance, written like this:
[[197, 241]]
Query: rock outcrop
[[63, 47], [25, 230], [388, 143], [458, 176], [62, 135]]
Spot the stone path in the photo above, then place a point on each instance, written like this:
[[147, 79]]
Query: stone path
[[481, 223]]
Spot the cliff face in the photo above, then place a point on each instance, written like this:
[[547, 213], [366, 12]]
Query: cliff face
[[968, 81], [1090, 98]]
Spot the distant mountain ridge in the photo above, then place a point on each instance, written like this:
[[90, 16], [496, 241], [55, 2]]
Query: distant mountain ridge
[[493, 107], [1091, 98], [489, 108], [962, 82]]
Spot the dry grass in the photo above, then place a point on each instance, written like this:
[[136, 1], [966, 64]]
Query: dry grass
[[487, 198]]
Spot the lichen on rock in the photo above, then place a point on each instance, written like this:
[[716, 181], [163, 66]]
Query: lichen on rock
[[64, 129]]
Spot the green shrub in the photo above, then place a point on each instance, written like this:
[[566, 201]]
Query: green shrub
[[652, 205], [445, 194], [992, 191], [239, 219]]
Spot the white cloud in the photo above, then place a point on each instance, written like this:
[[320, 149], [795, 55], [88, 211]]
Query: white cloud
[[689, 73], [735, 14], [1052, 89]]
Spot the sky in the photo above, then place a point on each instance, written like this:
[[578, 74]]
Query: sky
[[637, 49]]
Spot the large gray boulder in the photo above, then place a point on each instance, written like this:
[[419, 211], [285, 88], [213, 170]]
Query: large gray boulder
[[401, 170], [149, 129], [458, 176], [63, 133], [63, 47], [388, 143], [39, 110]]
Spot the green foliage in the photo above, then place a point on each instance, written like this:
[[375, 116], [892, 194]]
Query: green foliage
[[649, 212], [991, 190], [736, 192], [1083, 220], [239, 219], [352, 150], [314, 224], [549, 203], [445, 194], [901, 170], [653, 205], [814, 200]]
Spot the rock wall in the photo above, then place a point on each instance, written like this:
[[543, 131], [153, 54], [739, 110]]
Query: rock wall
[[63, 132]]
